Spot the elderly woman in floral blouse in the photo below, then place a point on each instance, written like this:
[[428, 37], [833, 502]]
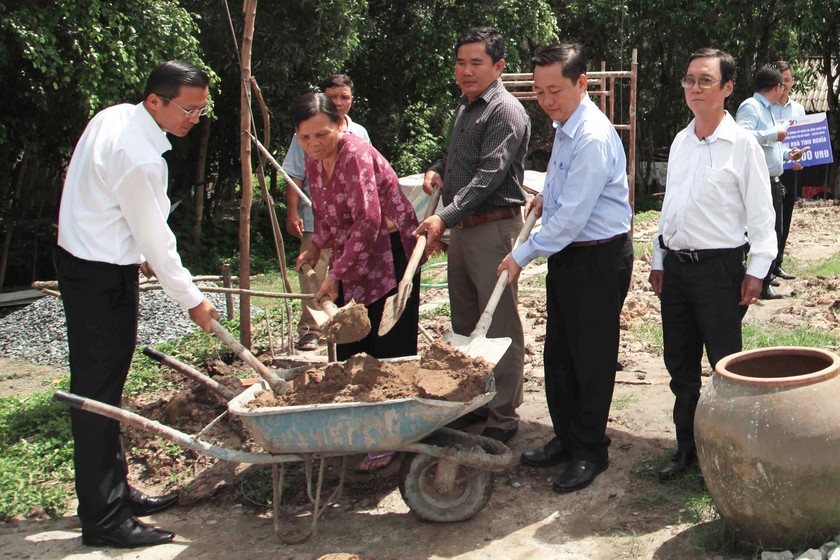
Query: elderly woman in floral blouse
[[363, 215]]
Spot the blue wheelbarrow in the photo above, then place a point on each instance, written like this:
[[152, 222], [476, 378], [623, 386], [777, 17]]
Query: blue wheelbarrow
[[445, 475]]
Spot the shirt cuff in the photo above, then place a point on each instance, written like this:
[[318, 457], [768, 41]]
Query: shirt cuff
[[759, 266]]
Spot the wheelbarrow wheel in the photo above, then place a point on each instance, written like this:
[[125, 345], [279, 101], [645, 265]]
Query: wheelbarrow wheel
[[469, 493]]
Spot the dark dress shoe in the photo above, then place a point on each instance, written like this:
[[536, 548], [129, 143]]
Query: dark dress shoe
[[550, 454], [677, 465], [467, 420], [499, 434], [131, 533], [142, 505], [775, 283], [768, 293], [780, 272], [578, 475]]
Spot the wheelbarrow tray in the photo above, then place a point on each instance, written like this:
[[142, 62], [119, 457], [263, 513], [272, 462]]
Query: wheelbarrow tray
[[349, 427]]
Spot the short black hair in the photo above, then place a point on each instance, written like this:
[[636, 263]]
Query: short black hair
[[167, 79], [783, 66], [494, 43], [310, 104], [570, 56], [728, 68], [338, 80], [767, 78]]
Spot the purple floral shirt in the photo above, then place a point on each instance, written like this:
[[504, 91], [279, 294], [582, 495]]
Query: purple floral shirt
[[350, 217]]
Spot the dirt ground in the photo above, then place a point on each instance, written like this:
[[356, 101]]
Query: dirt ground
[[626, 513]]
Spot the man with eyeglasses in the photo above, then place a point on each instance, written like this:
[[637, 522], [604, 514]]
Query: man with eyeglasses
[[717, 191], [756, 115], [300, 221], [112, 223], [786, 110]]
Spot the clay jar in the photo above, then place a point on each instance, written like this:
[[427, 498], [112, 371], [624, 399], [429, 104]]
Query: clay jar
[[767, 429]]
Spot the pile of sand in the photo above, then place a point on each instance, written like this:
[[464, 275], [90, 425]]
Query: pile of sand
[[442, 373]]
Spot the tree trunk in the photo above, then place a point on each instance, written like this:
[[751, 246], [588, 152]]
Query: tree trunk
[[10, 212], [250, 10], [200, 181]]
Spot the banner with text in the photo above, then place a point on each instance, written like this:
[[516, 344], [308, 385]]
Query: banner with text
[[810, 132]]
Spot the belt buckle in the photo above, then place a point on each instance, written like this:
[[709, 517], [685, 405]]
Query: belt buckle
[[686, 256]]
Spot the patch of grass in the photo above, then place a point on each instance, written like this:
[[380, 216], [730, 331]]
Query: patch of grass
[[646, 217], [36, 455], [824, 267], [755, 336], [623, 401], [442, 310], [640, 249], [687, 496], [434, 271], [650, 331]]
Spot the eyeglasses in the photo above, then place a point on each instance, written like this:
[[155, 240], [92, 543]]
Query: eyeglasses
[[200, 112], [705, 82]]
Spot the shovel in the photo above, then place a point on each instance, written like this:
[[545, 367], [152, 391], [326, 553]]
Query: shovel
[[342, 325], [395, 304], [278, 384], [477, 345]]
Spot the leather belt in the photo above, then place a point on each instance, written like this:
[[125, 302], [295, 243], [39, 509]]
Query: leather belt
[[687, 256], [490, 216], [597, 241]]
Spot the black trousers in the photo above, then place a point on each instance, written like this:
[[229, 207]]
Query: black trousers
[[699, 308], [100, 305], [776, 190], [401, 340], [790, 181], [586, 288]]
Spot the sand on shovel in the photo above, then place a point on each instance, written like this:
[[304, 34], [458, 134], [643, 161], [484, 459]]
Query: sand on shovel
[[442, 373]]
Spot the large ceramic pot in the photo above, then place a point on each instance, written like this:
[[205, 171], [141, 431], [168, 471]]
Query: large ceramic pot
[[767, 428]]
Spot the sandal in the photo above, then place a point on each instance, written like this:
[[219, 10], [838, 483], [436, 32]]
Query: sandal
[[375, 461], [308, 342]]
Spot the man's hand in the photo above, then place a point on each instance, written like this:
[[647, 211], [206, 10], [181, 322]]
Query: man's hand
[[750, 289], [294, 223], [795, 154], [433, 226], [512, 268], [431, 180], [534, 204], [781, 135], [798, 166], [147, 269], [328, 289], [202, 313], [655, 279], [311, 256]]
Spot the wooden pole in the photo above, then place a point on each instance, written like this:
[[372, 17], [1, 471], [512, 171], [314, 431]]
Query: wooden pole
[[250, 10], [228, 284]]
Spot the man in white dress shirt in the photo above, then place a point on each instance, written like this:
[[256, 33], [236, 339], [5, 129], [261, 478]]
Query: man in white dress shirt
[[717, 190], [113, 216]]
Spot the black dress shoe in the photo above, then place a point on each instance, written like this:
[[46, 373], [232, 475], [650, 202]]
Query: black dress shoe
[[131, 533], [550, 454], [677, 465], [775, 283], [499, 434], [780, 272], [579, 474], [768, 293], [142, 505], [467, 420]]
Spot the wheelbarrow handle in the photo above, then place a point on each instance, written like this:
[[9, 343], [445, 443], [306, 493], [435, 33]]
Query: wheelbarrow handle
[[207, 382], [278, 385]]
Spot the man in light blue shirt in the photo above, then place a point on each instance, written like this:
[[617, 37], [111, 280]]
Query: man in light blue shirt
[[755, 114], [586, 218]]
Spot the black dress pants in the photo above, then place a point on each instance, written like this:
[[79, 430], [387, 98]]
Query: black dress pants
[[699, 307], [776, 190], [586, 288], [401, 340], [789, 179], [100, 305]]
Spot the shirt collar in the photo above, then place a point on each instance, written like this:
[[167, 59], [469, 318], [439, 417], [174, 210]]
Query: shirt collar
[[573, 122], [488, 94], [727, 129], [150, 129], [761, 99]]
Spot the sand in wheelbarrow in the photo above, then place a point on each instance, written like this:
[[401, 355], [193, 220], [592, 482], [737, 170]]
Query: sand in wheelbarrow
[[442, 373]]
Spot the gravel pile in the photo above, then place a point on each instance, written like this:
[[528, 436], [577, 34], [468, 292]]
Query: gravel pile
[[37, 333]]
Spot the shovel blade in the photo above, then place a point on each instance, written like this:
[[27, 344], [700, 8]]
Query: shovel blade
[[491, 349], [394, 307], [319, 315]]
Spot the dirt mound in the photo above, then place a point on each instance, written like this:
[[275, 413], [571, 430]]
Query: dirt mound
[[442, 373]]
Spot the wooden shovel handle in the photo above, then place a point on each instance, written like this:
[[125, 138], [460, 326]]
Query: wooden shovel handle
[[277, 384], [483, 324]]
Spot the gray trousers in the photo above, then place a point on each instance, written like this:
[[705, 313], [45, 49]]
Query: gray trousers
[[474, 256]]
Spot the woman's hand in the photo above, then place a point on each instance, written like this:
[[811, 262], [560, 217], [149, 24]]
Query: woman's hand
[[328, 289]]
